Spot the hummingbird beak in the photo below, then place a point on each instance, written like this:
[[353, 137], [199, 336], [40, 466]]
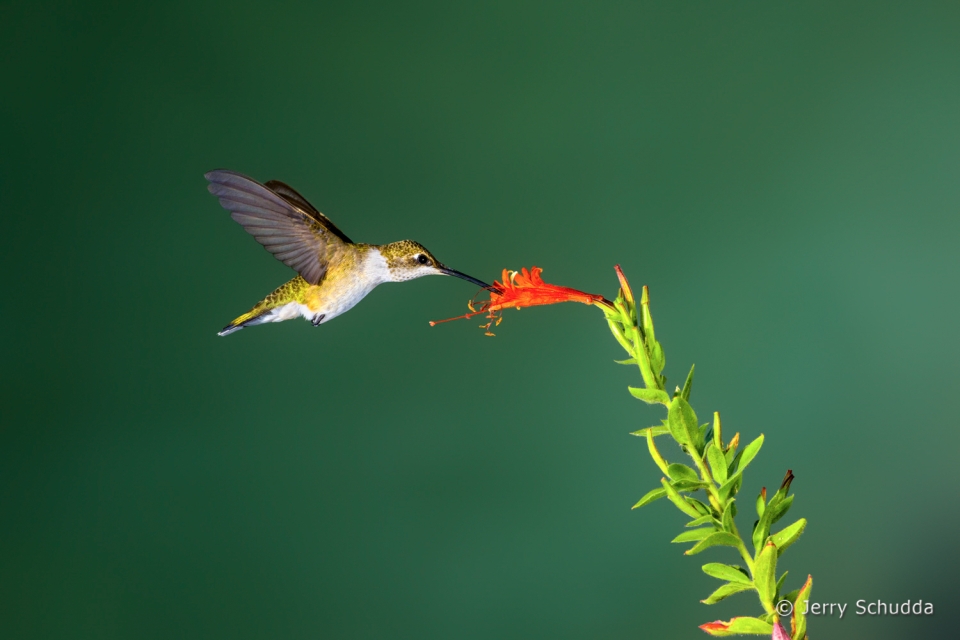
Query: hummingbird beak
[[453, 272]]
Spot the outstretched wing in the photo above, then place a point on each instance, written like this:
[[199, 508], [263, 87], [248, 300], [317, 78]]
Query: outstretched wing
[[299, 236], [292, 196]]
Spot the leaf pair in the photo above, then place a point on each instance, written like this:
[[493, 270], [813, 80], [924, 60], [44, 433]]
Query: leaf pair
[[770, 513], [682, 422], [732, 484]]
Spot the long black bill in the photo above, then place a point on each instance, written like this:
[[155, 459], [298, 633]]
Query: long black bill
[[463, 276]]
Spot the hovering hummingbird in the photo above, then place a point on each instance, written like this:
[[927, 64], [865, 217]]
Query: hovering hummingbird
[[334, 273]]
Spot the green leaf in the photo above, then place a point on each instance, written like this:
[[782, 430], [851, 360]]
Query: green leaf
[[761, 528], [650, 396], [749, 452], [717, 431], [678, 471], [730, 452], [688, 485], [699, 506], [732, 466], [674, 496], [721, 538], [654, 453], [765, 576], [798, 623], [792, 596], [718, 466], [627, 361], [727, 518], [685, 394], [780, 509], [761, 502], [657, 361], [617, 330], [655, 431], [725, 591], [694, 535], [625, 318], [789, 535], [645, 319], [642, 352], [701, 520], [650, 496], [780, 583], [770, 515], [737, 626], [683, 423], [727, 572], [730, 488]]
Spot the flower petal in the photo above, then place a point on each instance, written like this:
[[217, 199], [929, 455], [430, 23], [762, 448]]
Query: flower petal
[[527, 289]]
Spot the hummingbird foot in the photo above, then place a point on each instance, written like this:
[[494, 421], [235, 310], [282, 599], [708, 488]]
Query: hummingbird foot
[[318, 319]]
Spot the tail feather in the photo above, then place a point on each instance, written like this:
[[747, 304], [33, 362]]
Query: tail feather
[[230, 328], [248, 319]]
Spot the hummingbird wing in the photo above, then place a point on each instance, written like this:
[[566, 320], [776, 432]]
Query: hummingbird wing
[[300, 237], [292, 196]]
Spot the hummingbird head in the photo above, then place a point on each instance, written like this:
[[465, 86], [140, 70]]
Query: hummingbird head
[[407, 260]]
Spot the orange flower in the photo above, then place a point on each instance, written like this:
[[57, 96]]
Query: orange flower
[[524, 289]]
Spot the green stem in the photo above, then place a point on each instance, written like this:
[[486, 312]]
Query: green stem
[[618, 334], [650, 381], [718, 504], [707, 477], [746, 556]]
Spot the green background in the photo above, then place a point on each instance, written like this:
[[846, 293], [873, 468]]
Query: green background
[[784, 177]]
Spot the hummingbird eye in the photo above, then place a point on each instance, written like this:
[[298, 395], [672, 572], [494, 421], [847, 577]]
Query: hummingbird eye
[[422, 259]]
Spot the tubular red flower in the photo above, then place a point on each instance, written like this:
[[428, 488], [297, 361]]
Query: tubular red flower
[[527, 289], [524, 289]]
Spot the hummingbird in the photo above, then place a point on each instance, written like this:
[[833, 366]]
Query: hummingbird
[[333, 272]]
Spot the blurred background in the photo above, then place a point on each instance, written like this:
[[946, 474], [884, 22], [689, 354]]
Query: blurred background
[[784, 177]]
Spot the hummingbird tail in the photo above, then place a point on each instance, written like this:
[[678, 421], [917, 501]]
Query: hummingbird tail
[[227, 330], [283, 304], [246, 320]]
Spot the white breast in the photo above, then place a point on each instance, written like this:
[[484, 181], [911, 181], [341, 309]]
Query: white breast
[[374, 272]]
